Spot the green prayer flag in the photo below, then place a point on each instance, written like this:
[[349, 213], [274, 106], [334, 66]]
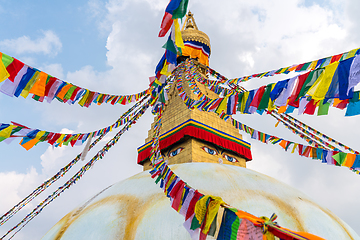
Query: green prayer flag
[[340, 157], [181, 10], [36, 97], [195, 224], [44, 137], [67, 142], [355, 97], [169, 45], [310, 80], [70, 92], [239, 101], [15, 130], [7, 60], [305, 66], [323, 108], [264, 102]]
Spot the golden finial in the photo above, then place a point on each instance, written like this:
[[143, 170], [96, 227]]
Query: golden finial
[[189, 22], [190, 31]]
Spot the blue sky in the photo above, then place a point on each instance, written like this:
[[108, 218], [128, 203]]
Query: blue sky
[[112, 46]]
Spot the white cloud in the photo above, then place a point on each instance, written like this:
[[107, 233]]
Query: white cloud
[[48, 44], [15, 185], [54, 69]]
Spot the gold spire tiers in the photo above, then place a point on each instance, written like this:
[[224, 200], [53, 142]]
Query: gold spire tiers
[[190, 135]]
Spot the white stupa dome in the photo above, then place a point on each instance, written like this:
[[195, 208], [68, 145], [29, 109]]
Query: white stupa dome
[[136, 208]]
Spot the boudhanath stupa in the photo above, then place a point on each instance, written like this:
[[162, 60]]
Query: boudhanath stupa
[[209, 154]]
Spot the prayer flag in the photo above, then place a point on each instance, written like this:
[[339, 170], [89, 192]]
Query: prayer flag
[[14, 67], [181, 10], [166, 23], [4, 74], [39, 86], [354, 75]]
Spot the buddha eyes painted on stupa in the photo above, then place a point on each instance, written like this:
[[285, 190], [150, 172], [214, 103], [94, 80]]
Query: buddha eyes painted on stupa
[[209, 150], [208, 153], [230, 159], [175, 152]]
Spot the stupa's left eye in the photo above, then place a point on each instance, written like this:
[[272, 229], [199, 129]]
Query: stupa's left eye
[[230, 159], [209, 150], [175, 152]]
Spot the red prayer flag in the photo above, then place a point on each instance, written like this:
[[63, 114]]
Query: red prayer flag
[[298, 68], [256, 100], [193, 201], [166, 23], [14, 68], [292, 99], [335, 58], [54, 138], [310, 107]]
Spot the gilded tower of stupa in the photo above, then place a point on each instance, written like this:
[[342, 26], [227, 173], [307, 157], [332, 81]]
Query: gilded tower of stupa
[[206, 139], [210, 155]]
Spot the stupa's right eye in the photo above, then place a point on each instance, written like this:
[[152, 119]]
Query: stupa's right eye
[[230, 159], [209, 150], [175, 152]]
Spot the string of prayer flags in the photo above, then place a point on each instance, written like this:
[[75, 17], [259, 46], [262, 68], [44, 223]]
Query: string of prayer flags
[[200, 213], [217, 106], [297, 92], [308, 128], [77, 176], [30, 137], [223, 79], [304, 134], [331, 157], [173, 47], [175, 9], [18, 79], [320, 63], [64, 170]]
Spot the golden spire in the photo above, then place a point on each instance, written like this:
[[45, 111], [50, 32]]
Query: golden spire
[[189, 22], [190, 31]]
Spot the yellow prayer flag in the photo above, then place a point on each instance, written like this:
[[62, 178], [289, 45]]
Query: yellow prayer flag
[[352, 53], [284, 70], [40, 134], [30, 84], [295, 145], [271, 104], [83, 99], [178, 39], [243, 101], [164, 70], [4, 74], [313, 65], [207, 213], [322, 84], [6, 132], [222, 106], [61, 138]]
